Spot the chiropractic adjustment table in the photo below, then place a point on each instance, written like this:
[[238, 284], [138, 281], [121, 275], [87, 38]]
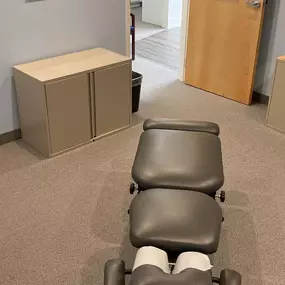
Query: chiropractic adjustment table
[[177, 171], [175, 220], [151, 267], [178, 154]]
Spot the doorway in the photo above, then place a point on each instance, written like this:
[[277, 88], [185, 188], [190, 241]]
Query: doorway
[[160, 31], [198, 59]]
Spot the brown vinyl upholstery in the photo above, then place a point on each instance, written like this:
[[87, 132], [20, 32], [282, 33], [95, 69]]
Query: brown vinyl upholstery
[[179, 159], [175, 221]]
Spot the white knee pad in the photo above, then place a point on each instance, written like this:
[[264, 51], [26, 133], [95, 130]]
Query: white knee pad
[[152, 256], [194, 260]]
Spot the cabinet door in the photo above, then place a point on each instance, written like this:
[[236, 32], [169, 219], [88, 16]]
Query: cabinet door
[[276, 114], [112, 98], [68, 104]]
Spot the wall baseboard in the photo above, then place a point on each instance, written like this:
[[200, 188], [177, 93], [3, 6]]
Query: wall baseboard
[[260, 98], [10, 136]]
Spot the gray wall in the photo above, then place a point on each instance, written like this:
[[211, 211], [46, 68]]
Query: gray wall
[[272, 45], [34, 30]]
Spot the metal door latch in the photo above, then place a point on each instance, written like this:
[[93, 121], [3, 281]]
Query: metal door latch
[[253, 3]]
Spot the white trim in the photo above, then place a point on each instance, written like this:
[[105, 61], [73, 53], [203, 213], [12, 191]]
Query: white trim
[[128, 24], [184, 38]]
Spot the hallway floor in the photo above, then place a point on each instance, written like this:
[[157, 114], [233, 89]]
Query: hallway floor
[[157, 44], [162, 48], [144, 30], [62, 218]]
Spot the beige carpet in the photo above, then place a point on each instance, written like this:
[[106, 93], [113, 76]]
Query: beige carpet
[[62, 218]]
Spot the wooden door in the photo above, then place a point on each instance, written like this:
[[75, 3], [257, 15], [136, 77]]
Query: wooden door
[[112, 99], [68, 108], [222, 47]]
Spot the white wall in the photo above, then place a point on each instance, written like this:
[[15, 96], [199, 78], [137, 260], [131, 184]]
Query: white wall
[[153, 11], [164, 13], [272, 45], [35, 30], [174, 13]]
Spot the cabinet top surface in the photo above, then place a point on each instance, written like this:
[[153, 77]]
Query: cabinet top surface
[[69, 64], [281, 58]]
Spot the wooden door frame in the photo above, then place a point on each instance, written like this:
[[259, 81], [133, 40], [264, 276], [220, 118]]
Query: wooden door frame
[[183, 38]]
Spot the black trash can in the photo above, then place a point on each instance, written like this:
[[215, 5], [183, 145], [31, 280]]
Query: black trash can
[[136, 90]]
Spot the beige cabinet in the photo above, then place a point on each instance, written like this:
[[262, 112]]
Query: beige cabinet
[[74, 99], [112, 92], [68, 112], [276, 108]]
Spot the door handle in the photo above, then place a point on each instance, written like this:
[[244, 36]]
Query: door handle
[[253, 3]]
